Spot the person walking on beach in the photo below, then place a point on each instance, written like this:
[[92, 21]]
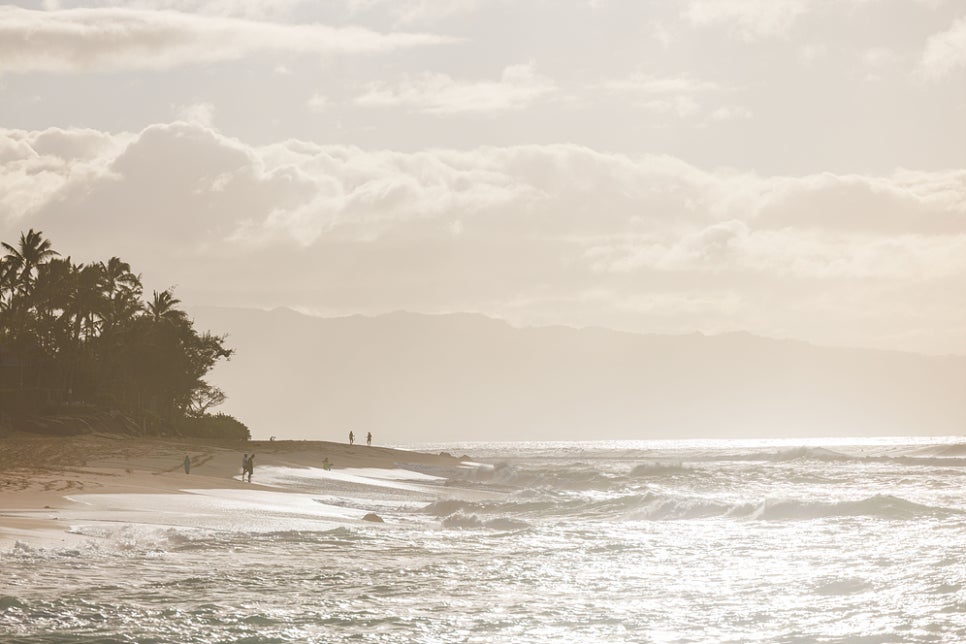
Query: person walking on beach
[[244, 465], [187, 464], [250, 468], [352, 437], [369, 439]]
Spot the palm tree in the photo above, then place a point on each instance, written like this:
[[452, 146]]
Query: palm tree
[[161, 307], [31, 252], [118, 277], [24, 261], [122, 289], [51, 309], [8, 279]]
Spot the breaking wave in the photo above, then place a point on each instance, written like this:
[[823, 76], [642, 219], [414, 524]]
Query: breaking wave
[[645, 470], [656, 506], [471, 521]]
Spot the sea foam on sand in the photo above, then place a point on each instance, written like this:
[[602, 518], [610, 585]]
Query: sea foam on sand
[[250, 510], [129, 483]]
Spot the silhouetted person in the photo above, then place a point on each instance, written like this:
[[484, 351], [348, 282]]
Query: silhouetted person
[[326, 465], [187, 464], [369, 438], [250, 468], [352, 438], [244, 465]]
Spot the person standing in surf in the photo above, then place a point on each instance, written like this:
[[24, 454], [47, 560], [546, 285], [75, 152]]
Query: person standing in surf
[[250, 467], [244, 465], [187, 464], [352, 437], [369, 439]]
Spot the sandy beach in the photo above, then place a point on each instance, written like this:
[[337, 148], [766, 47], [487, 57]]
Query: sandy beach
[[46, 482]]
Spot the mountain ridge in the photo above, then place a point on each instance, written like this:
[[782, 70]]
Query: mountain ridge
[[415, 376]]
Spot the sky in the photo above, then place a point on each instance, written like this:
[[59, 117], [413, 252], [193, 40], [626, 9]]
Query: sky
[[791, 168]]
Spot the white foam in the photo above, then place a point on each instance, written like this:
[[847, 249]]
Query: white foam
[[389, 475], [236, 510], [401, 480]]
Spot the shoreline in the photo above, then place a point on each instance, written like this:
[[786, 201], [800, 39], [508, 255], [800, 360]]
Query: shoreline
[[41, 476]]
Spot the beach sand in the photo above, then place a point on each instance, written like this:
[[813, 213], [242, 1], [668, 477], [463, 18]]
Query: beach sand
[[45, 481]]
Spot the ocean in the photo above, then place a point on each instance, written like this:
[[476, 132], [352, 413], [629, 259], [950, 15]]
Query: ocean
[[784, 541]]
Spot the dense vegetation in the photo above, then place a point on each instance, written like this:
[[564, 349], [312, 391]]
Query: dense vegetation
[[76, 337]]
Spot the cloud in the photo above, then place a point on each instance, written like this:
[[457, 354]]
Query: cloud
[[640, 83], [122, 39], [752, 18], [811, 53], [731, 113], [37, 167], [877, 57], [734, 246], [672, 95], [528, 231], [417, 11], [519, 86], [201, 113], [680, 106], [887, 205], [317, 102], [255, 9], [945, 52], [304, 191]]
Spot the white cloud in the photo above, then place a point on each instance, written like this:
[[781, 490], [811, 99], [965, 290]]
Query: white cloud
[[519, 86], [566, 188], [663, 35], [525, 229], [887, 205], [563, 189], [731, 113], [640, 83], [811, 53], [671, 95], [680, 106], [255, 9], [35, 167], [117, 39], [877, 57], [945, 52], [752, 18], [200, 113], [734, 246], [880, 63], [317, 102], [417, 11]]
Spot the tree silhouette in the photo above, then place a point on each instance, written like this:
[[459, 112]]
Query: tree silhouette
[[162, 307], [32, 251], [79, 333]]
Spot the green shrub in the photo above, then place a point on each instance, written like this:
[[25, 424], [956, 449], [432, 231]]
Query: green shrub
[[215, 426]]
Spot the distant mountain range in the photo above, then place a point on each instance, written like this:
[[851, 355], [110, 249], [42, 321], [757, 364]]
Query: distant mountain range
[[460, 377]]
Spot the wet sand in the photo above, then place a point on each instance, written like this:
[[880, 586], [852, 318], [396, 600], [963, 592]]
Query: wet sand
[[39, 473]]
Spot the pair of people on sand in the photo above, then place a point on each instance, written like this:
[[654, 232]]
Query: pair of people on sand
[[248, 466], [352, 438]]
